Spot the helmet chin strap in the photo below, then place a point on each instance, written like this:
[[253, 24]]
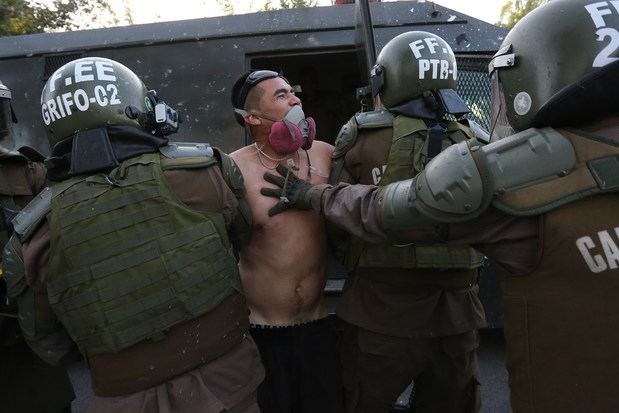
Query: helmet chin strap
[[245, 113]]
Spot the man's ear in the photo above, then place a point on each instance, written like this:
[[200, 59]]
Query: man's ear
[[252, 119]]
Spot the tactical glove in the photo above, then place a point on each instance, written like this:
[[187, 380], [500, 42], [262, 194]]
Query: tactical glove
[[293, 192]]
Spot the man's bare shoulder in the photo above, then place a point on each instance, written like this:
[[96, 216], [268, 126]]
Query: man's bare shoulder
[[322, 149], [244, 154]]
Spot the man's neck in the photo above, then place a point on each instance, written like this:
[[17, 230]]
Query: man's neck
[[269, 158], [263, 146]]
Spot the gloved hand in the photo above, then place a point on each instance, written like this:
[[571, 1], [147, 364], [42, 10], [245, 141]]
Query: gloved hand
[[292, 192]]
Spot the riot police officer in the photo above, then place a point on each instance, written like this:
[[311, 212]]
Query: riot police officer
[[26, 382], [128, 257], [542, 203], [411, 312]]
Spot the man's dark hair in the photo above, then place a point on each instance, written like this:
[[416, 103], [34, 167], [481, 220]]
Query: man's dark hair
[[245, 95]]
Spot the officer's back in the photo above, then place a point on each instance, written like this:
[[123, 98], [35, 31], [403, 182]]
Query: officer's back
[[129, 254]]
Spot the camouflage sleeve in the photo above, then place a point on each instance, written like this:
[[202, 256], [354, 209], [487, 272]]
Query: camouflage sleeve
[[25, 283], [242, 222]]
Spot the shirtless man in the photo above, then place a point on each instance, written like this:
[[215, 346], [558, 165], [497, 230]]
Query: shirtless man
[[283, 267]]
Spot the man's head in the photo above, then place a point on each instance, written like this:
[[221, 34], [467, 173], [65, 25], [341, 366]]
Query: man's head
[[262, 93], [558, 66], [94, 92], [411, 64], [265, 103]]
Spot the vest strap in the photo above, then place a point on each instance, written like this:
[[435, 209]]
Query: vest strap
[[606, 173]]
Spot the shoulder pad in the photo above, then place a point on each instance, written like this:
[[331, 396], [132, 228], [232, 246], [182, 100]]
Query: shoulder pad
[[375, 119], [593, 169], [452, 186], [175, 150], [29, 218], [526, 158], [463, 179], [346, 138], [231, 172]]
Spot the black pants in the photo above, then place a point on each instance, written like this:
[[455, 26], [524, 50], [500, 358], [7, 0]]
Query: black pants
[[303, 373]]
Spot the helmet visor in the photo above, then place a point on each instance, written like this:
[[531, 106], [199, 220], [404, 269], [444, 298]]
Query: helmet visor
[[5, 117], [500, 127]]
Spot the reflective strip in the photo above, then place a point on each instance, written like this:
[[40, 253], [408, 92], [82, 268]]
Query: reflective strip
[[118, 202], [127, 243], [93, 231], [185, 237]]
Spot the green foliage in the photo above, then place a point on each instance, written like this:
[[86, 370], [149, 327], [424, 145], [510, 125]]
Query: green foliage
[[31, 16], [227, 6], [289, 4], [514, 10]]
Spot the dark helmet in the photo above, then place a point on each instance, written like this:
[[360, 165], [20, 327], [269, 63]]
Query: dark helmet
[[95, 92], [557, 66], [410, 64]]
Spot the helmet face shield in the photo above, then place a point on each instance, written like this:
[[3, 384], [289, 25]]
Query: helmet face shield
[[5, 117], [500, 127]]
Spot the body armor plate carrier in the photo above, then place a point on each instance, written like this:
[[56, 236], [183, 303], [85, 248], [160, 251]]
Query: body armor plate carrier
[[129, 261], [406, 158]]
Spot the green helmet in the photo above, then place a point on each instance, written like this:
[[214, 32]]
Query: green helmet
[[90, 93], [554, 67], [410, 64]]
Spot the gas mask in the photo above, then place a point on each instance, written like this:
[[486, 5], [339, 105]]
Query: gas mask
[[293, 132]]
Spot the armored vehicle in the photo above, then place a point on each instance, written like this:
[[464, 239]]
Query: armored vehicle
[[194, 63]]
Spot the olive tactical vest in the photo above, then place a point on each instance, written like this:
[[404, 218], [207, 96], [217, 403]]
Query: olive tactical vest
[[128, 261], [394, 150]]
